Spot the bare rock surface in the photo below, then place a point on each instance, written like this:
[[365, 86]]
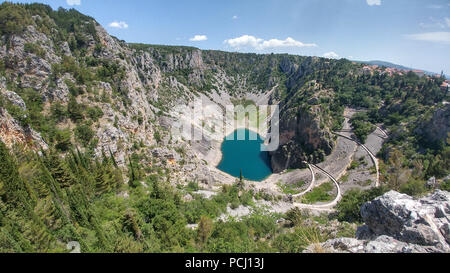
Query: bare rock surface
[[12, 132], [398, 223]]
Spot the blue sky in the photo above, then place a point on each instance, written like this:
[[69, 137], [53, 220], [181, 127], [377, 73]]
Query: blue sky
[[414, 33]]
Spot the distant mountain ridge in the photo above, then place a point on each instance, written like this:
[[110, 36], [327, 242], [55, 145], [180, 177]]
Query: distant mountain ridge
[[397, 66]]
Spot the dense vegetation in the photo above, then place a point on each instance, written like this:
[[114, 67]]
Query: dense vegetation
[[47, 201]]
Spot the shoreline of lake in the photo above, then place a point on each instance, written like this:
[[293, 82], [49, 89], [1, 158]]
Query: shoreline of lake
[[247, 153]]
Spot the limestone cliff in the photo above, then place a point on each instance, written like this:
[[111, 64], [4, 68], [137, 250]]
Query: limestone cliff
[[130, 94], [301, 139], [398, 223]]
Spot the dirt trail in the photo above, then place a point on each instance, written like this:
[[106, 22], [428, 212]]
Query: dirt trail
[[311, 185], [328, 206], [372, 156]]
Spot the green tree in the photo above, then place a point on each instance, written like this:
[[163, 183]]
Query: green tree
[[349, 208], [75, 110], [241, 182], [59, 170], [13, 187], [58, 112], [205, 227], [84, 134], [63, 140]]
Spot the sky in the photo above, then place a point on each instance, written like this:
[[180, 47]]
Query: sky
[[414, 33]]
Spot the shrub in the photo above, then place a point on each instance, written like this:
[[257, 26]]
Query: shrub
[[95, 113], [62, 139], [319, 194], [291, 188], [299, 240], [361, 126], [445, 186], [192, 186], [13, 19], [157, 136], [349, 208], [2, 66], [34, 49], [75, 110], [413, 187], [58, 112], [84, 134]]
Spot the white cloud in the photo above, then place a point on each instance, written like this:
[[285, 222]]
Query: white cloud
[[235, 17], [434, 23], [331, 55], [121, 25], [435, 37], [73, 2], [246, 41], [198, 38], [434, 6], [373, 2]]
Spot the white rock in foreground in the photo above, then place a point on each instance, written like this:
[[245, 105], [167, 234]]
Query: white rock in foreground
[[397, 223]]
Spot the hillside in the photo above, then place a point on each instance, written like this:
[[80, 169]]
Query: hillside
[[87, 152], [397, 66]]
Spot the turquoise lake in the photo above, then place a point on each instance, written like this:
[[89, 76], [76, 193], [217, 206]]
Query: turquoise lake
[[245, 155]]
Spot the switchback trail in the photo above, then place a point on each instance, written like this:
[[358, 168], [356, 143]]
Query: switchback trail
[[372, 156], [312, 184], [324, 207]]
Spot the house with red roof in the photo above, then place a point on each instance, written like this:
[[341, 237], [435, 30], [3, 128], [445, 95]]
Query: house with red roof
[[445, 86], [419, 73]]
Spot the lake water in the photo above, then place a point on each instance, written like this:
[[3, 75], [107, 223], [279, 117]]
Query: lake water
[[245, 155]]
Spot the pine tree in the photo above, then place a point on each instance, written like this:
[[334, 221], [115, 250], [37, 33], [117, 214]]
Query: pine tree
[[38, 234], [79, 206], [133, 174], [59, 170], [46, 210], [13, 187], [2, 189], [204, 231], [241, 180], [131, 224], [101, 180], [113, 159]]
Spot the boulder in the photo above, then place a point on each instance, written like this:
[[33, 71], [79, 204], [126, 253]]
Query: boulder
[[431, 183], [15, 99], [398, 223], [381, 244], [422, 222]]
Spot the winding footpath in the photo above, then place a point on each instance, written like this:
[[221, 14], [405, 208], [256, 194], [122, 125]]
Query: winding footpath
[[331, 205], [383, 132], [312, 184], [324, 207], [372, 156]]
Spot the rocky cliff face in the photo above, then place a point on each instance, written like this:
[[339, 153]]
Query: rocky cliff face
[[305, 129], [301, 139], [137, 88], [397, 223], [435, 130]]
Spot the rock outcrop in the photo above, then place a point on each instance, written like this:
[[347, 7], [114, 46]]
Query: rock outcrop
[[11, 133], [302, 138], [435, 130], [397, 223]]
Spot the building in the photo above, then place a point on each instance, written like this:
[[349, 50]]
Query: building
[[367, 70], [445, 87], [419, 73]]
